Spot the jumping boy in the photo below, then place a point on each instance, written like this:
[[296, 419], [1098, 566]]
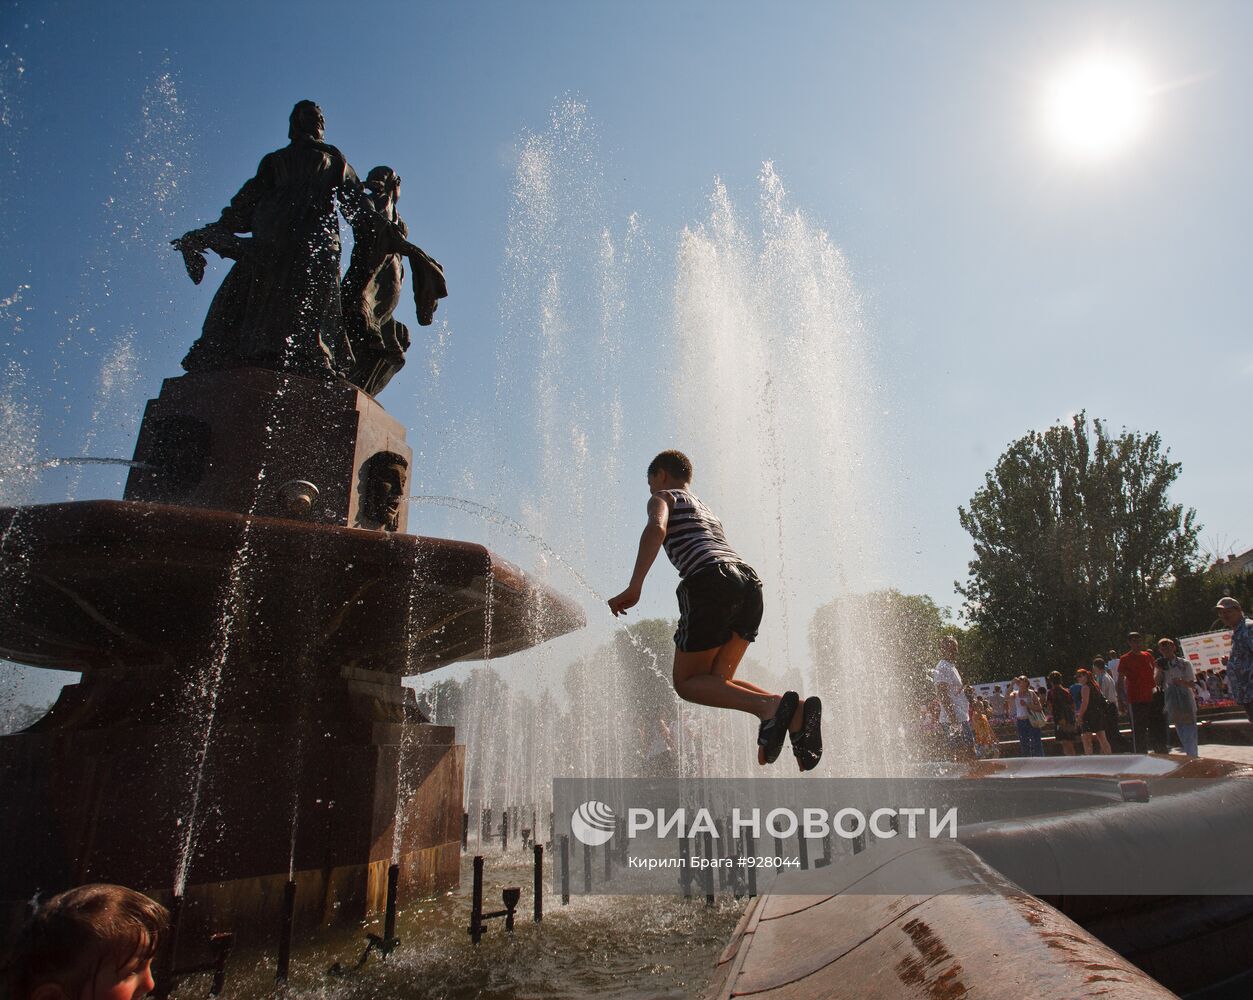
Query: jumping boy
[[720, 608], [95, 942]]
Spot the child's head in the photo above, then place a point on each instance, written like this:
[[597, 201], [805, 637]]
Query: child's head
[[95, 942], [676, 466]]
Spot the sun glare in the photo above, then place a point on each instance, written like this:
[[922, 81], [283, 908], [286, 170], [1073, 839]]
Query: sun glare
[[1096, 107]]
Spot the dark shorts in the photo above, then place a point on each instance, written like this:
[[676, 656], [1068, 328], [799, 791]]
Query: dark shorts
[[716, 601], [1096, 717]]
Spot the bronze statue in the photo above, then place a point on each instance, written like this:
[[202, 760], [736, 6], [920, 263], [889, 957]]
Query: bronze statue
[[384, 476], [281, 306], [372, 286]]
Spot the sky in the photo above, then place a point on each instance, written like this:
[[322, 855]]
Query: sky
[[1001, 283]]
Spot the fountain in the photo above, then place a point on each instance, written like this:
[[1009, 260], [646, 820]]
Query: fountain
[[244, 616]]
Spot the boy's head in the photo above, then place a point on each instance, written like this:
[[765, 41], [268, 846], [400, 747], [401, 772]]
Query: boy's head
[[669, 469], [95, 942]]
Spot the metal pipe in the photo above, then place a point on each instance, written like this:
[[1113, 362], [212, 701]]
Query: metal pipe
[[685, 867], [565, 870], [510, 896], [587, 868], [166, 980], [624, 843], [709, 872], [751, 851], [803, 850], [539, 882], [465, 830], [389, 915], [722, 872], [825, 860], [476, 901], [504, 831], [222, 945], [285, 931]]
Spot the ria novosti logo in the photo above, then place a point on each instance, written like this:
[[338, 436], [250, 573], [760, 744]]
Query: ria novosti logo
[[592, 823]]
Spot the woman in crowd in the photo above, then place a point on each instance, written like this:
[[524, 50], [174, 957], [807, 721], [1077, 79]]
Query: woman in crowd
[[1022, 702], [1062, 708], [1201, 692], [1093, 710], [1176, 678]]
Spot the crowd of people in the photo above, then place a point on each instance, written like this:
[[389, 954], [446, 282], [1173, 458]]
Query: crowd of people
[[1154, 690]]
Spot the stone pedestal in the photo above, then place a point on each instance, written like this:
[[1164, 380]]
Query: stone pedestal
[[241, 671], [329, 782], [231, 440]]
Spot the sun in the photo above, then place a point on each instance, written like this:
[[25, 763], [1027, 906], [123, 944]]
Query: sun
[[1096, 106]]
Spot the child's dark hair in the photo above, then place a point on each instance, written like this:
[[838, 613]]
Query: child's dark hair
[[69, 938], [673, 462]]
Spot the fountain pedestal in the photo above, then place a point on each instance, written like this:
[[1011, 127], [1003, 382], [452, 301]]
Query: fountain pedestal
[[241, 673]]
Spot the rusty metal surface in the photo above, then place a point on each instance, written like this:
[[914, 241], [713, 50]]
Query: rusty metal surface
[[938, 945], [108, 583]]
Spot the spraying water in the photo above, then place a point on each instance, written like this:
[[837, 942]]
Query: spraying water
[[765, 380]]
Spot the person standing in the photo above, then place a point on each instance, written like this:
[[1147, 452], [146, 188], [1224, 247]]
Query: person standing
[[1104, 682], [997, 702], [1137, 671], [1022, 702], [1240, 659], [1111, 665], [1214, 685], [1062, 708], [1093, 712], [1177, 680], [954, 705], [985, 739]]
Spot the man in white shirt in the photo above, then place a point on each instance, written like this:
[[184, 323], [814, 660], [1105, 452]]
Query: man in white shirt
[[954, 708], [1111, 667]]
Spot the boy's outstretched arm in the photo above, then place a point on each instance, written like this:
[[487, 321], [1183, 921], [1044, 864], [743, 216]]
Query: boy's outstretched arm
[[650, 543]]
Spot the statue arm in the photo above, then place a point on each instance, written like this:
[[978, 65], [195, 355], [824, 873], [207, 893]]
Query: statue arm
[[220, 236], [237, 216]]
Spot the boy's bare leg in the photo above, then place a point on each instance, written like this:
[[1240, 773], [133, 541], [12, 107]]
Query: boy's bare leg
[[703, 678], [728, 661], [695, 681]]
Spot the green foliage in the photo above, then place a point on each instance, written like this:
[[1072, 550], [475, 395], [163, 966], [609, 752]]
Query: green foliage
[[646, 652], [1075, 542], [978, 662], [1187, 605], [885, 628]]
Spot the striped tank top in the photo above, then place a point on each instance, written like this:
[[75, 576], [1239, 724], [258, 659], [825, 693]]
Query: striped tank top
[[694, 536]]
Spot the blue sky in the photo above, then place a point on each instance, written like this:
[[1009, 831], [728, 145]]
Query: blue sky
[[1002, 286]]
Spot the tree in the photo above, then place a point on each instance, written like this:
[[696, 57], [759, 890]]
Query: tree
[[884, 628], [1186, 607], [1075, 540]]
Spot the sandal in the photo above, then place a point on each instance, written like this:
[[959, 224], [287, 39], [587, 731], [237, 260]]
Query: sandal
[[771, 732], [807, 742]]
